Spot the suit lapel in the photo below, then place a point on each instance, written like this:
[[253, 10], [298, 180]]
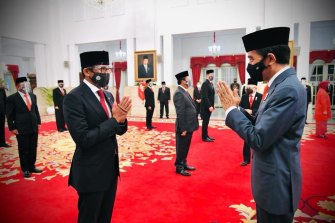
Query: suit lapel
[[21, 102]]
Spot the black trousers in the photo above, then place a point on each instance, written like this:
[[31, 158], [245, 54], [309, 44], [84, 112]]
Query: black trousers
[[27, 145], [149, 117], [162, 105], [2, 129], [246, 152], [265, 217], [205, 121], [182, 147], [60, 119], [97, 207], [197, 106]]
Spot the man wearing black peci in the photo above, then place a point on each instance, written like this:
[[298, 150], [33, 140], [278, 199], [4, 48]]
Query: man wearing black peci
[[58, 95], [164, 97], [149, 104]]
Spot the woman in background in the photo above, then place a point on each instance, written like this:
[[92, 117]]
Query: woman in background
[[322, 109]]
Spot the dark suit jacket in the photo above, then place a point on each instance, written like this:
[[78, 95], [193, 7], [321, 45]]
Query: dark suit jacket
[[187, 118], [142, 73], [94, 164], [58, 97], [207, 96], [275, 140], [19, 117], [149, 98], [255, 105], [196, 94], [163, 97], [3, 99]]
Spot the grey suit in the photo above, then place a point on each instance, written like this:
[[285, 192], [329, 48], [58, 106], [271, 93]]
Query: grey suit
[[186, 120], [275, 140]]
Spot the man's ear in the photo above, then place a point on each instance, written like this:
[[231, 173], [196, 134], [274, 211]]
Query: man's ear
[[271, 58], [86, 72]]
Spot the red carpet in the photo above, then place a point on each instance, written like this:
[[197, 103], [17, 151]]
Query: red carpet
[[149, 190]]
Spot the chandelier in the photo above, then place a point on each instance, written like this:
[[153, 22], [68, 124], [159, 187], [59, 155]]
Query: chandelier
[[214, 49], [120, 54]]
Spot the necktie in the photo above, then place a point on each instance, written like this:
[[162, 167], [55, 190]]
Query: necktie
[[62, 90], [27, 102], [102, 101], [265, 92], [251, 100]]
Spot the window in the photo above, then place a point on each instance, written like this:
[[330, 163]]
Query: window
[[317, 73]]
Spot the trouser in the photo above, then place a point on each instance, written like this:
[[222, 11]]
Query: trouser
[[265, 217], [182, 147], [97, 207], [246, 152], [205, 121], [2, 129], [60, 119], [162, 105], [149, 117], [27, 145]]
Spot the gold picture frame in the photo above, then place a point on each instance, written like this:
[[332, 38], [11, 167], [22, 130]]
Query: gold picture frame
[[149, 71], [291, 45]]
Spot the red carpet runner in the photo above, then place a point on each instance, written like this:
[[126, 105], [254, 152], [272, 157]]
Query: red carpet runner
[[149, 190]]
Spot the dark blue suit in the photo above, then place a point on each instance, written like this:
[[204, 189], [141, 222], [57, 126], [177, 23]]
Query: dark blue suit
[[275, 140]]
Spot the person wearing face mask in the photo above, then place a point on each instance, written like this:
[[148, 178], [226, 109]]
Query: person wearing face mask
[[149, 96], [24, 120], [207, 104], [3, 98], [93, 122], [197, 97], [58, 95], [186, 123], [322, 109], [164, 98], [250, 101], [276, 132]]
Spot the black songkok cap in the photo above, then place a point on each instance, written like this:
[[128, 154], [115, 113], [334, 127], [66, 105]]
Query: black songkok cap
[[181, 75], [92, 58], [148, 81], [163, 82], [252, 81], [209, 71], [145, 57], [60, 81], [266, 38], [20, 80]]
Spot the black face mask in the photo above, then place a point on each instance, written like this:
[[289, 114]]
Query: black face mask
[[100, 79], [255, 71], [249, 91]]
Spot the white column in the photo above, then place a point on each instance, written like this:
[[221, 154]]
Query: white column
[[130, 62], [304, 43], [41, 65], [74, 66], [167, 59]]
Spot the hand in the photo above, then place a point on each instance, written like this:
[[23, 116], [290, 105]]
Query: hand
[[121, 110], [56, 107], [183, 133], [149, 107], [15, 132], [249, 111], [227, 98], [211, 109]]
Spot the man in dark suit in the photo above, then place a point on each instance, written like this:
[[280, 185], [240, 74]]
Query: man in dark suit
[[93, 123], [145, 70], [186, 123], [2, 115], [23, 120], [149, 104], [58, 95], [164, 97], [207, 104], [276, 133], [308, 93], [197, 97], [250, 102]]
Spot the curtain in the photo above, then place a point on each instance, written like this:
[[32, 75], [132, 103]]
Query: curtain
[[118, 67], [14, 69], [325, 55]]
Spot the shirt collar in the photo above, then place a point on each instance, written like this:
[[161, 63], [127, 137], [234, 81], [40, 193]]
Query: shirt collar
[[93, 88], [182, 87], [277, 74]]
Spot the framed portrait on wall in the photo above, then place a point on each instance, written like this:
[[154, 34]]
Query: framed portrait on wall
[[291, 45], [145, 65]]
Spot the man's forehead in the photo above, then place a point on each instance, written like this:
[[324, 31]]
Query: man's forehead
[[253, 54]]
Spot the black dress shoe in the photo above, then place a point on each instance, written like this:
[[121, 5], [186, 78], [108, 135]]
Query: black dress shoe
[[191, 168], [149, 128], [36, 171], [211, 138], [61, 130], [65, 129], [26, 174], [244, 163], [153, 127], [4, 145], [183, 172], [207, 140], [167, 117]]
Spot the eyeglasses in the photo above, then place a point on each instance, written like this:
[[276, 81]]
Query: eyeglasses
[[103, 68]]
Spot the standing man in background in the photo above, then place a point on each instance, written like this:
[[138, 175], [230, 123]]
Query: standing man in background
[[2, 115], [309, 94], [93, 123], [24, 120], [186, 123], [149, 96], [207, 104], [197, 97], [164, 97], [58, 95]]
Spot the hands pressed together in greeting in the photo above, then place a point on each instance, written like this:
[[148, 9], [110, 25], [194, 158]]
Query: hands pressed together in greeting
[[121, 110], [227, 97]]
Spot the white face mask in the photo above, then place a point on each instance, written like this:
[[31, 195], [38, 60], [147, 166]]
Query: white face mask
[[198, 85], [25, 87]]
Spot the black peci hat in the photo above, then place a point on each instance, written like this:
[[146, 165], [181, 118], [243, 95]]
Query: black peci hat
[[20, 80], [266, 38], [148, 81], [209, 71], [181, 75], [60, 81], [163, 82], [252, 81], [92, 58]]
